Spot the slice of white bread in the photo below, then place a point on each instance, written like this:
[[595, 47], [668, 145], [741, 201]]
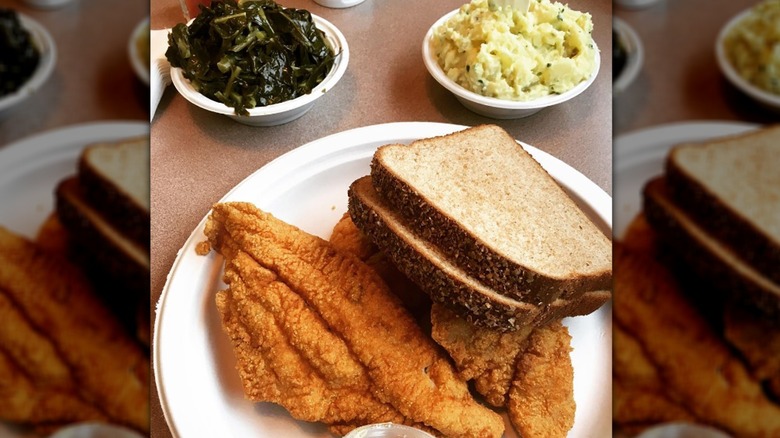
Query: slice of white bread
[[486, 203], [446, 283], [732, 187], [115, 177], [727, 275]]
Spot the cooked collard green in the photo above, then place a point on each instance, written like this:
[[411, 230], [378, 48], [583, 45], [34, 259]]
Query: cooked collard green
[[255, 53], [18, 55]]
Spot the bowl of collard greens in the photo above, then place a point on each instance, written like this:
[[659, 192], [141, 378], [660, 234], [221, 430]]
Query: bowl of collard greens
[[255, 61]]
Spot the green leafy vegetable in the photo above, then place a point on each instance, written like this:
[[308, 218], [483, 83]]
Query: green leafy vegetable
[[255, 53], [18, 56]]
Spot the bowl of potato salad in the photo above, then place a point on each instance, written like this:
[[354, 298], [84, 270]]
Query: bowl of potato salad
[[506, 63], [748, 52]]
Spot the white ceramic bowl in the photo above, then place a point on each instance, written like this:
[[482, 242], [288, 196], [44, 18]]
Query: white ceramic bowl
[[283, 112], [636, 4], [387, 430], [764, 97], [95, 430], [491, 106], [682, 430], [140, 66], [45, 44], [338, 4], [635, 55]]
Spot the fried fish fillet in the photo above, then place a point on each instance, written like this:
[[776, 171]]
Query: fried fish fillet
[[286, 353], [108, 367], [404, 366], [696, 365], [638, 391], [25, 401], [486, 356], [541, 398], [347, 237]]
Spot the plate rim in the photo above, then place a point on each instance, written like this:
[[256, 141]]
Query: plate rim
[[597, 199]]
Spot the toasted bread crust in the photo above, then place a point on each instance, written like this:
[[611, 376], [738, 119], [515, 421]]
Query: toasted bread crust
[[122, 210], [476, 257], [722, 221], [477, 303], [726, 283]]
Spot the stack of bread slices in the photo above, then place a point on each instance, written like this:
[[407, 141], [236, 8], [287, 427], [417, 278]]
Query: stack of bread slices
[[104, 209], [477, 223], [718, 207]]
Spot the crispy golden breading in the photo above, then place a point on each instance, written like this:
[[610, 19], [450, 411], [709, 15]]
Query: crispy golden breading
[[486, 356], [638, 391], [696, 365], [348, 238], [287, 355], [403, 365], [107, 366], [541, 397], [23, 400]]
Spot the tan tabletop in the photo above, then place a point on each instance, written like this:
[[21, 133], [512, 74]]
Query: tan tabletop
[[197, 157], [680, 80], [92, 79]]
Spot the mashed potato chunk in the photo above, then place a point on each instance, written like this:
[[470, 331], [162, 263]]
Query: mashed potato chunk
[[515, 55], [753, 46]]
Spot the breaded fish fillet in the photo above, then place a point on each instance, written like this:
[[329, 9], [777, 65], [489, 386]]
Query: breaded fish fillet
[[405, 367], [541, 398], [638, 390], [108, 367], [287, 355], [696, 365], [486, 356], [348, 238], [23, 400]]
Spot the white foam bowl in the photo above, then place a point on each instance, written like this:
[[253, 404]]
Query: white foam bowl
[[635, 55], [338, 4], [760, 95], [387, 430], [490, 106], [140, 65], [282, 112], [48, 58]]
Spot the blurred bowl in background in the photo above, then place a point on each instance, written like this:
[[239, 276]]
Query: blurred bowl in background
[[633, 53], [48, 58], [764, 97]]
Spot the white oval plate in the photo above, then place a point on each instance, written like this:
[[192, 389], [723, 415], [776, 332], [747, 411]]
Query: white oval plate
[[640, 155], [194, 365], [30, 170]]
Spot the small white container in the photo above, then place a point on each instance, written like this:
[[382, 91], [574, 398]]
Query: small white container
[[139, 59], [491, 106], [95, 430], [387, 430], [767, 99], [48, 4], [283, 112], [48, 58], [635, 55], [682, 430], [338, 4], [637, 4]]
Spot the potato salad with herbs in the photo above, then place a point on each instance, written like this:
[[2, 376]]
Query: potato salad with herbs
[[753, 46], [516, 55]]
